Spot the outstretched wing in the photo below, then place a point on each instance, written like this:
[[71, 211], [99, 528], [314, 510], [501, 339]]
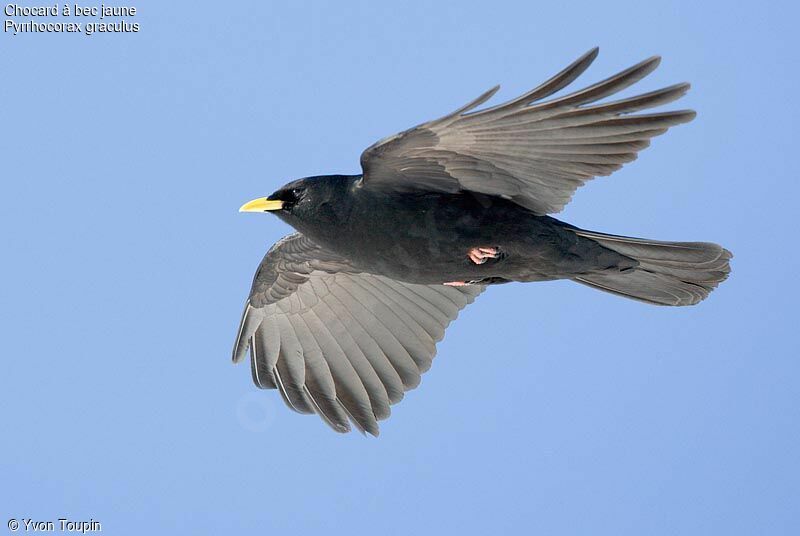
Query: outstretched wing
[[536, 152], [336, 342]]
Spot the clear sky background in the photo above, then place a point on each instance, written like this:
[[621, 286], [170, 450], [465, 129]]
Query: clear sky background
[[550, 409]]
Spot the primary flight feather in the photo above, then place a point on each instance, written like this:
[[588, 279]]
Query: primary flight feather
[[343, 316]]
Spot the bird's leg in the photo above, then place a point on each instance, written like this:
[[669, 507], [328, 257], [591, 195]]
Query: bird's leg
[[478, 255], [481, 254]]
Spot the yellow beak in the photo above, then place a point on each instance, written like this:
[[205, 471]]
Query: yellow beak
[[262, 204]]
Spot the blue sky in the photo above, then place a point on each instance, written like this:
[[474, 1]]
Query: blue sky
[[550, 409]]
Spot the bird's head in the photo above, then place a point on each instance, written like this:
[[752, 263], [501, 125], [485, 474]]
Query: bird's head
[[309, 202]]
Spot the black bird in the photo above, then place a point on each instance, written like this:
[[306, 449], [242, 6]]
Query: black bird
[[343, 316]]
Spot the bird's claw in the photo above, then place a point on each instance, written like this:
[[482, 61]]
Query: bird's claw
[[462, 283], [480, 255]]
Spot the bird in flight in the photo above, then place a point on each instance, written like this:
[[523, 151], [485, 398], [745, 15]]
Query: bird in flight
[[344, 315]]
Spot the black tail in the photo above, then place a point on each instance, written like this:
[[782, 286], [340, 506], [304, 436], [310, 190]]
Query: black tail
[[669, 273]]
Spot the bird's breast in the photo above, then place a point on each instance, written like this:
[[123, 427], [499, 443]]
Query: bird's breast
[[426, 239]]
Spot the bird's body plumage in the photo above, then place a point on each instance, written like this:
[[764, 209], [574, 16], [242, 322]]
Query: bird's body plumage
[[343, 317], [423, 237]]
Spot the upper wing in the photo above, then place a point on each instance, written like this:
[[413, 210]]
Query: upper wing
[[336, 342], [535, 153]]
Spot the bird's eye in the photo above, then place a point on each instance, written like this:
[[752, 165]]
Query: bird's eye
[[297, 193]]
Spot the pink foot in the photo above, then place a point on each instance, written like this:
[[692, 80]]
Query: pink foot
[[456, 284], [480, 255]]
